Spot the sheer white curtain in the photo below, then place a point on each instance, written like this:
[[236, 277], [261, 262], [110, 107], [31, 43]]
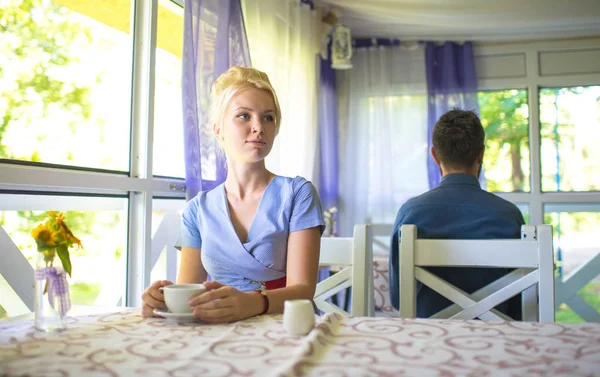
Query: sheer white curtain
[[383, 134], [283, 41]]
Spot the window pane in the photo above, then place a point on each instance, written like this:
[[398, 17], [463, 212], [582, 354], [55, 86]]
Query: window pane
[[570, 134], [166, 221], [397, 153], [505, 118], [575, 242], [168, 119], [99, 269], [65, 82], [525, 211]]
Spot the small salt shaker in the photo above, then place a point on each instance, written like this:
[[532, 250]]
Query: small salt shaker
[[298, 316]]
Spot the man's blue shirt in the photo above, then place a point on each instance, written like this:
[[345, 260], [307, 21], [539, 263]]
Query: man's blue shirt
[[457, 209]]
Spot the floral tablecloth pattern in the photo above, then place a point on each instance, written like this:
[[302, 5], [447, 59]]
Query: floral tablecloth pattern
[[125, 344]]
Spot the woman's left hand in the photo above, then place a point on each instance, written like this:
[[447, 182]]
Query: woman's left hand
[[223, 303]]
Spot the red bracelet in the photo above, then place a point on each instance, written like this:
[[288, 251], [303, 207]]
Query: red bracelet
[[265, 301]]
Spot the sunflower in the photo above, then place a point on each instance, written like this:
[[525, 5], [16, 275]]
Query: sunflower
[[54, 237]]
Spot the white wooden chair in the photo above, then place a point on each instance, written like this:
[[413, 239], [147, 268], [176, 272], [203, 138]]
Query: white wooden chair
[[532, 256], [382, 235], [355, 256], [381, 238]]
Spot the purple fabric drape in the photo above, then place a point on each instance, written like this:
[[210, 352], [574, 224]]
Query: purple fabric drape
[[214, 39], [328, 144], [451, 82], [328, 136]]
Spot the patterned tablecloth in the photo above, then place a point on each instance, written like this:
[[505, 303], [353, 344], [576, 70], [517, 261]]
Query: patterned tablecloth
[[125, 344], [381, 284]]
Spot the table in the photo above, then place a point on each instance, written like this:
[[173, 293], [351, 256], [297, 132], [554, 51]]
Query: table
[[122, 343]]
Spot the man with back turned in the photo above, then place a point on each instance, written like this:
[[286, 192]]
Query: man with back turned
[[457, 209]]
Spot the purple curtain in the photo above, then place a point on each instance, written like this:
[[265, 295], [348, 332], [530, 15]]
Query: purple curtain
[[328, 131], [214, 39], [328, 135], [451, 82]]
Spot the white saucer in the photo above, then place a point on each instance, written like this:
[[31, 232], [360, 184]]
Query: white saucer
[[176, 317]]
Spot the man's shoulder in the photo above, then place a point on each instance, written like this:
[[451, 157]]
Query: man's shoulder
[[429, 198], [443, 200], [424, 198], [417, 208], [441, 195], [495, 201]]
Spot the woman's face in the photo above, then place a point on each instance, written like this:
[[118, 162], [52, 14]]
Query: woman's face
[[248, 128]]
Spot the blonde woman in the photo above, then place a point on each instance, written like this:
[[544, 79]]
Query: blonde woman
[[258, 234]]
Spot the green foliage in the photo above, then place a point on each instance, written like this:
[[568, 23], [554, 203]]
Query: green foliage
[[590, 293], [573, 222], [118, 253], [63, 255], [569, 119], [556, 124], [504, 115], [84, 293], [37, 39]]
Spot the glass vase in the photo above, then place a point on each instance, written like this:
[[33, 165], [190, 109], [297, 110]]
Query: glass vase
[[48, 315], [329, 227]]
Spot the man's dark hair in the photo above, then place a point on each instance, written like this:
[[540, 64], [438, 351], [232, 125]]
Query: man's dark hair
[[458, 138]]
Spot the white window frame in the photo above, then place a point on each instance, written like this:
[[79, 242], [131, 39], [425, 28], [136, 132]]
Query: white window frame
[[518, 66], [532, 81], [139, 186]]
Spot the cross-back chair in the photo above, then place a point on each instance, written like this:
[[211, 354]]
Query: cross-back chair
[[531, 256], [354, 257]]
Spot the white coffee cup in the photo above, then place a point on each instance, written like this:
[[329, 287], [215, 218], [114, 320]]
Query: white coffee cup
[[298, 316], [178, 295]]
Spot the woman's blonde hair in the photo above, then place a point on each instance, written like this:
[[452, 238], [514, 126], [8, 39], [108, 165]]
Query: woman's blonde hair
[[231, 82]]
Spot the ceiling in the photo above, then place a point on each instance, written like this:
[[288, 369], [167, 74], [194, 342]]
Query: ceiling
[[475, 20]]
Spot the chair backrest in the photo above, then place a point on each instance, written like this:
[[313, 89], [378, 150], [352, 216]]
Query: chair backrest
[[381, 238], [354, 256], [532, 256]]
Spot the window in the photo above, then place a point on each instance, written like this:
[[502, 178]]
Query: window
[[168, 118], [99, 269], [166, 222], [65, 82], [575, 229], [73, 88], [525, 211], [397, 153], [556, 117], [570, 134], [505, 118]]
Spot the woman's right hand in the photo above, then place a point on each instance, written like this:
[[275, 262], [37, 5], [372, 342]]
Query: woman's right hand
[[153, 298]]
